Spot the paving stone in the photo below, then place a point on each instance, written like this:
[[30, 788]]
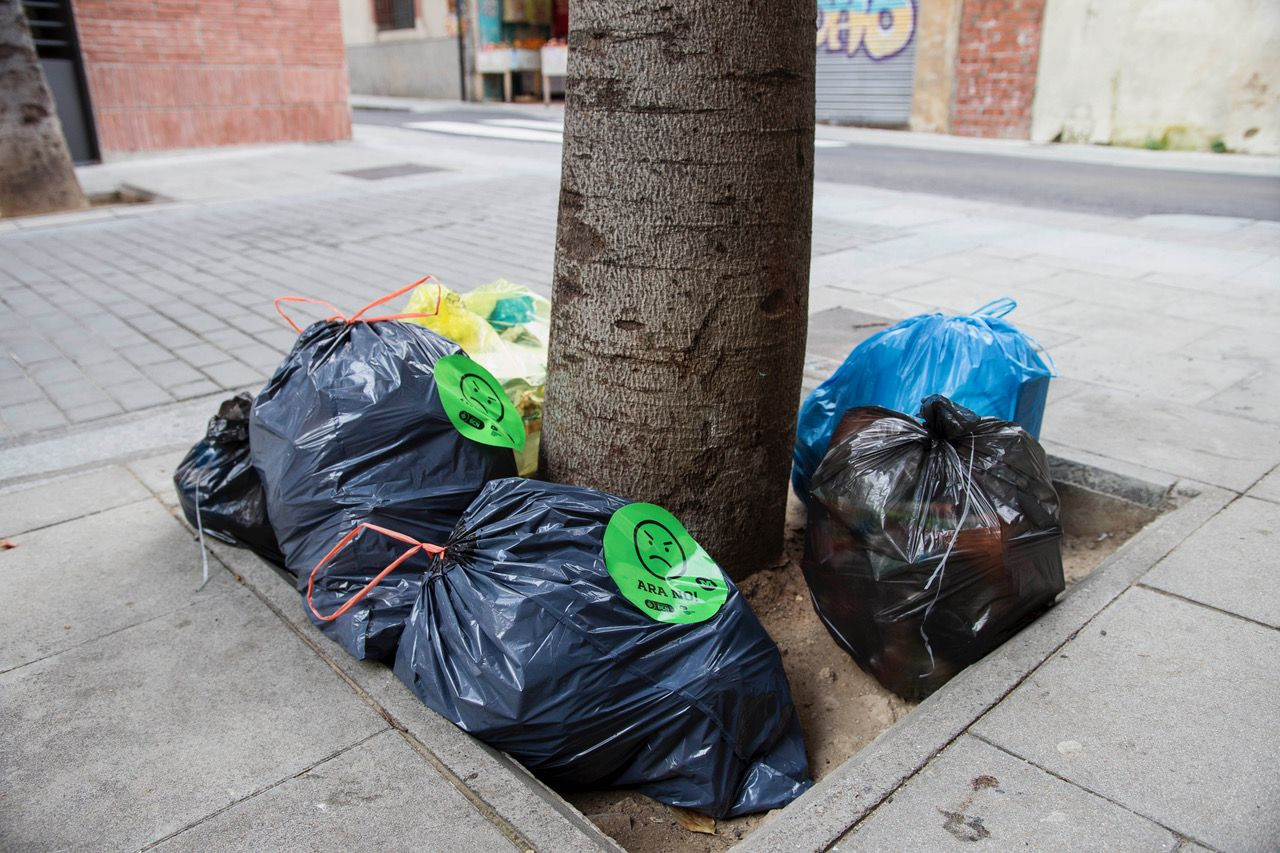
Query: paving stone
[[1256, 397], [30, 506], [201, 355], [172, 338], [1225, 309], [858, 269], [156, 473], [1161, 706], [1229, 563], [144, 354], [229, 340], [202, 323], [279, 339], [1160, 373], [1268, 488], [19, 390], [198, 388], [150, 322], [33, 417], [1184, 440], [1111, 331], [835, 332], [112, 370], [108, 576], [375, 795], [93, 411], [55, 370], [973, 793], [263, 358], [960, 296], [169, 374], [138, 734], [139, 393], [75, 393], [233, 374]]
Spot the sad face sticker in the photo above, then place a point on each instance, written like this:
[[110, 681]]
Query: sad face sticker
[[478, 392], [476, 404], [658, 550], [659, 568]]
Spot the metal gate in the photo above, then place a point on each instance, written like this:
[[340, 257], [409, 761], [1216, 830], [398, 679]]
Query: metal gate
[[53, 29], [866, 61]]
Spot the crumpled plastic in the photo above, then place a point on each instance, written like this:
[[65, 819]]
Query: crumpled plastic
[[504, 327], [521, 637], [217, 475], [351, 429], [928, 545], [979, 360]]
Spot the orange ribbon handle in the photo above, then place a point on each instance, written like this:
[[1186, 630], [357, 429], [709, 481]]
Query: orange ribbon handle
[[359, 315], [395, 564]]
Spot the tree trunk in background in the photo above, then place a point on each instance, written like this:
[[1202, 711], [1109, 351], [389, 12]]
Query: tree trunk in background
[[682, 262], [36, 175]]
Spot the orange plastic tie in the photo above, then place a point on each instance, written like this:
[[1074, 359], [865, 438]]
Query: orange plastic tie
[[359, 315], [417, 546], [289, 320]]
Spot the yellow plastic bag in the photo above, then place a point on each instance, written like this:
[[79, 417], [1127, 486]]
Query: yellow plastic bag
[[504, 327]]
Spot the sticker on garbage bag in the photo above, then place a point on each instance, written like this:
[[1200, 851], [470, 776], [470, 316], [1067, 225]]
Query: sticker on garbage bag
[[475, 402], [660, 568]]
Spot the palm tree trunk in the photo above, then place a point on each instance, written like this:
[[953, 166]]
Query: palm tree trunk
[[36, 175], [682, 261]]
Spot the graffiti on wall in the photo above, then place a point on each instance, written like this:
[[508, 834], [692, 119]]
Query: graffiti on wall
[[880, 28]]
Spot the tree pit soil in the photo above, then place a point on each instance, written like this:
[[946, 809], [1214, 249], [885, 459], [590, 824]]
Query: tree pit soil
[[842, 709]]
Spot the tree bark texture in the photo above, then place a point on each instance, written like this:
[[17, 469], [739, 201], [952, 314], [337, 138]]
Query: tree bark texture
[[36, 174], [682, 262]]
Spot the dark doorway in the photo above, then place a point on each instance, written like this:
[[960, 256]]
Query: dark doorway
[[53, 28]]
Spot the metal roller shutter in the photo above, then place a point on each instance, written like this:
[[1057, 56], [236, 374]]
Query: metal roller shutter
[[866, 61]]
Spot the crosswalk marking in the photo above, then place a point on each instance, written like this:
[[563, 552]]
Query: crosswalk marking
[[529, 130], [462, 128], [528, 124]]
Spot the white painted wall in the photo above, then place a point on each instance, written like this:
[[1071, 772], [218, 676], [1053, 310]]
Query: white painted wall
[[357, 22], [1126, 72], [433, 21]]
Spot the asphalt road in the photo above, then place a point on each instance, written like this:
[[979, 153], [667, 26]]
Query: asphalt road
[[1034, 182]]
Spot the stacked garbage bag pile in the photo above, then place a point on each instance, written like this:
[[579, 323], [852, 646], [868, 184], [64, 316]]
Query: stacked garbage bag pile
[[587, 635], [930, 540]]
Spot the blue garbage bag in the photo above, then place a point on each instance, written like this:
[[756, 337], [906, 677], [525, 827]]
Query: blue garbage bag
[[979, 360]]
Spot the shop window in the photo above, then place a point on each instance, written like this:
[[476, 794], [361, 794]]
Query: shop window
[[393, 14]]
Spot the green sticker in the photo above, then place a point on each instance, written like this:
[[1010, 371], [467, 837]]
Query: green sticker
[[475, 402], [660, 568]]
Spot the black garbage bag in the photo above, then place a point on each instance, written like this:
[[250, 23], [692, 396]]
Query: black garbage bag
[[592, 669], [929, 545], [218, 476], [350, 429]]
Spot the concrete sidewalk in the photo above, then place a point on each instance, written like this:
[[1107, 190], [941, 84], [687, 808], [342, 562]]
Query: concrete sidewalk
[[139, 710], [136, 710]]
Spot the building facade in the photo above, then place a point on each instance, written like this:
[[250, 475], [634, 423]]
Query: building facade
[[1179, 74], [148, 75], [409, 48]]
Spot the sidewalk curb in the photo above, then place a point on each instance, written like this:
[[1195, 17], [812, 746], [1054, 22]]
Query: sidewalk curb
[[497, 784], [843, 799]]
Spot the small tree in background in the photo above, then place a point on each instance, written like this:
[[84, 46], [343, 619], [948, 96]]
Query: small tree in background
[[36, 174], [682, 262]]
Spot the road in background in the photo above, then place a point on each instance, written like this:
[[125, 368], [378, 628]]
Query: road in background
[[1003, 178]]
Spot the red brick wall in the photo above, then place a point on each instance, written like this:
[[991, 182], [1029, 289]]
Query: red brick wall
[[196, 73], [997, 53]]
